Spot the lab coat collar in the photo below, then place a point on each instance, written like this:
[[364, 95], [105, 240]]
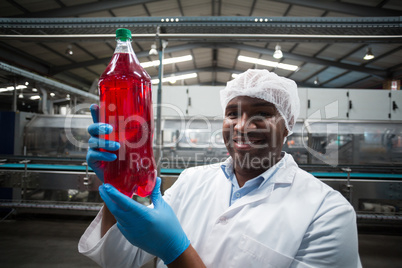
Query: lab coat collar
[[284, 175], [285, 163]]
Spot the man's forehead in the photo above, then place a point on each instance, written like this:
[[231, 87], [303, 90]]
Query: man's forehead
[[249, 100]]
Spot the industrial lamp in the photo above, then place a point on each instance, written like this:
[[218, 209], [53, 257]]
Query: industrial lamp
[[69, 50], [369, 55], [153, 50], [278, 52]]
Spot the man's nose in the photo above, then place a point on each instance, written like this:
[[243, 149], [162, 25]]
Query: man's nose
[[244, 124]]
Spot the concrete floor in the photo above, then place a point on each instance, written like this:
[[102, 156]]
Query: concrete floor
[[51, 241]]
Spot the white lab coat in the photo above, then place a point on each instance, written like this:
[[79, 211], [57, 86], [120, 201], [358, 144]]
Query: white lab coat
[[292, 220]]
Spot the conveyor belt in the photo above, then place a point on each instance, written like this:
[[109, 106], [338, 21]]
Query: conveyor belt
[[178, 171], [45, 167]]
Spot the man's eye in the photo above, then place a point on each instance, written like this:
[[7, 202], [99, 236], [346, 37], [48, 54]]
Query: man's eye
[[265, 114], [231, 114]]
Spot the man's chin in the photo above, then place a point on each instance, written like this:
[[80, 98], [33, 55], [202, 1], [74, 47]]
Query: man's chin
[[249, 162]]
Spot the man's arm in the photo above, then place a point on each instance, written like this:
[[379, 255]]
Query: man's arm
[[189, 258], [331, 239], [108, 220], [155, 230]]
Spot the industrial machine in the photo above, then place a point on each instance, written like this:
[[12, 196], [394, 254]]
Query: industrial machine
[[46, 171]]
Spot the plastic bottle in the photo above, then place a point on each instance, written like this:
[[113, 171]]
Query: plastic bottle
[[126, 104]]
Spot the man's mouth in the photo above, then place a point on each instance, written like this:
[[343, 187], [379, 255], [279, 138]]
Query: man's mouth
[[242, 144]]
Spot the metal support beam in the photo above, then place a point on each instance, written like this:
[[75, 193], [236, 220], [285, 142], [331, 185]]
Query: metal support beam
[[181, 27], [16, 56], [158, 154], [49, 82], [14, 106], [43, 101]]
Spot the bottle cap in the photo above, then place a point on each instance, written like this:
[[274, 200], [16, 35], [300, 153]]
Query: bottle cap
[[123, 34]]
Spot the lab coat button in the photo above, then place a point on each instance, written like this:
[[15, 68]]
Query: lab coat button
[[223, 220]]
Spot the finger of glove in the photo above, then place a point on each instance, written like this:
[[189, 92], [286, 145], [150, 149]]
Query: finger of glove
[[97, 129], [96, 143], [124, 203], [94, 156], [94, 108], [156, 195], [123, 216]]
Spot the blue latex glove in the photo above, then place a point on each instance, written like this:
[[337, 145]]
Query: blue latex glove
[[96, 158], [155, 230]]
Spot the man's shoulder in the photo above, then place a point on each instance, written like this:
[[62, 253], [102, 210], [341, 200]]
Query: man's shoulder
[[314, 186]]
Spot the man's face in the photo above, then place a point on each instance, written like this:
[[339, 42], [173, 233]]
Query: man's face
[[253, 131]]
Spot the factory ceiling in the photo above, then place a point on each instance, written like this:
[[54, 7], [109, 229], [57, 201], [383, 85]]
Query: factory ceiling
[[325, 40]]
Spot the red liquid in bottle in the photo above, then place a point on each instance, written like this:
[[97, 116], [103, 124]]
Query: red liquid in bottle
[[126, 104]]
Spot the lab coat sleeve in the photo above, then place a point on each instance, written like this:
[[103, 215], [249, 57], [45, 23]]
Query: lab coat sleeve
[[331, 239], [111, 250]]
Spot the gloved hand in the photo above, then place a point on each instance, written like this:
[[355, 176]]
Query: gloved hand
[[96, 158], [155, 230]]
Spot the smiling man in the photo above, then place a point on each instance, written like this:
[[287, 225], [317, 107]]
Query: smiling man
[[253, 131], [256, 209]]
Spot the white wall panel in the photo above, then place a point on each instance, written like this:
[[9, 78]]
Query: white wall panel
[[205, 101], [327, 103], [369, 104], [303, 102], [174, 100], [396, 105]]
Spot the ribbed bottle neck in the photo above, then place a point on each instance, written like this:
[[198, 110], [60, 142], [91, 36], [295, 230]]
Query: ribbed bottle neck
[[124, 46]]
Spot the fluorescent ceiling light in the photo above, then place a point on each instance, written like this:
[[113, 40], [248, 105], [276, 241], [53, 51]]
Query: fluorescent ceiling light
[[166, 61], [36, 97], [11, 88], [6, 89], [268, 63], [175, 78]]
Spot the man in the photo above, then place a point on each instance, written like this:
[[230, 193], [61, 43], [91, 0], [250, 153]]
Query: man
[[256, 209]]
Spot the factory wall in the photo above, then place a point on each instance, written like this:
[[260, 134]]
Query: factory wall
[[315, 103]]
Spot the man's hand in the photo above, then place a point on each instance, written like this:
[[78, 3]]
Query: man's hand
[[155, 230]]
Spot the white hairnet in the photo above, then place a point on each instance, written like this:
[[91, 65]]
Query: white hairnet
[[262, 84]]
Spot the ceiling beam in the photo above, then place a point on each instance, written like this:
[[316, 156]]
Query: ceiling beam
[[76, 10], [199, 70], [23, 9], [341, 7], [141, 54], [15, 56], [48, 82], [252, 8], [338, 60], [37, 65], [379, 73], [293, 56]]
